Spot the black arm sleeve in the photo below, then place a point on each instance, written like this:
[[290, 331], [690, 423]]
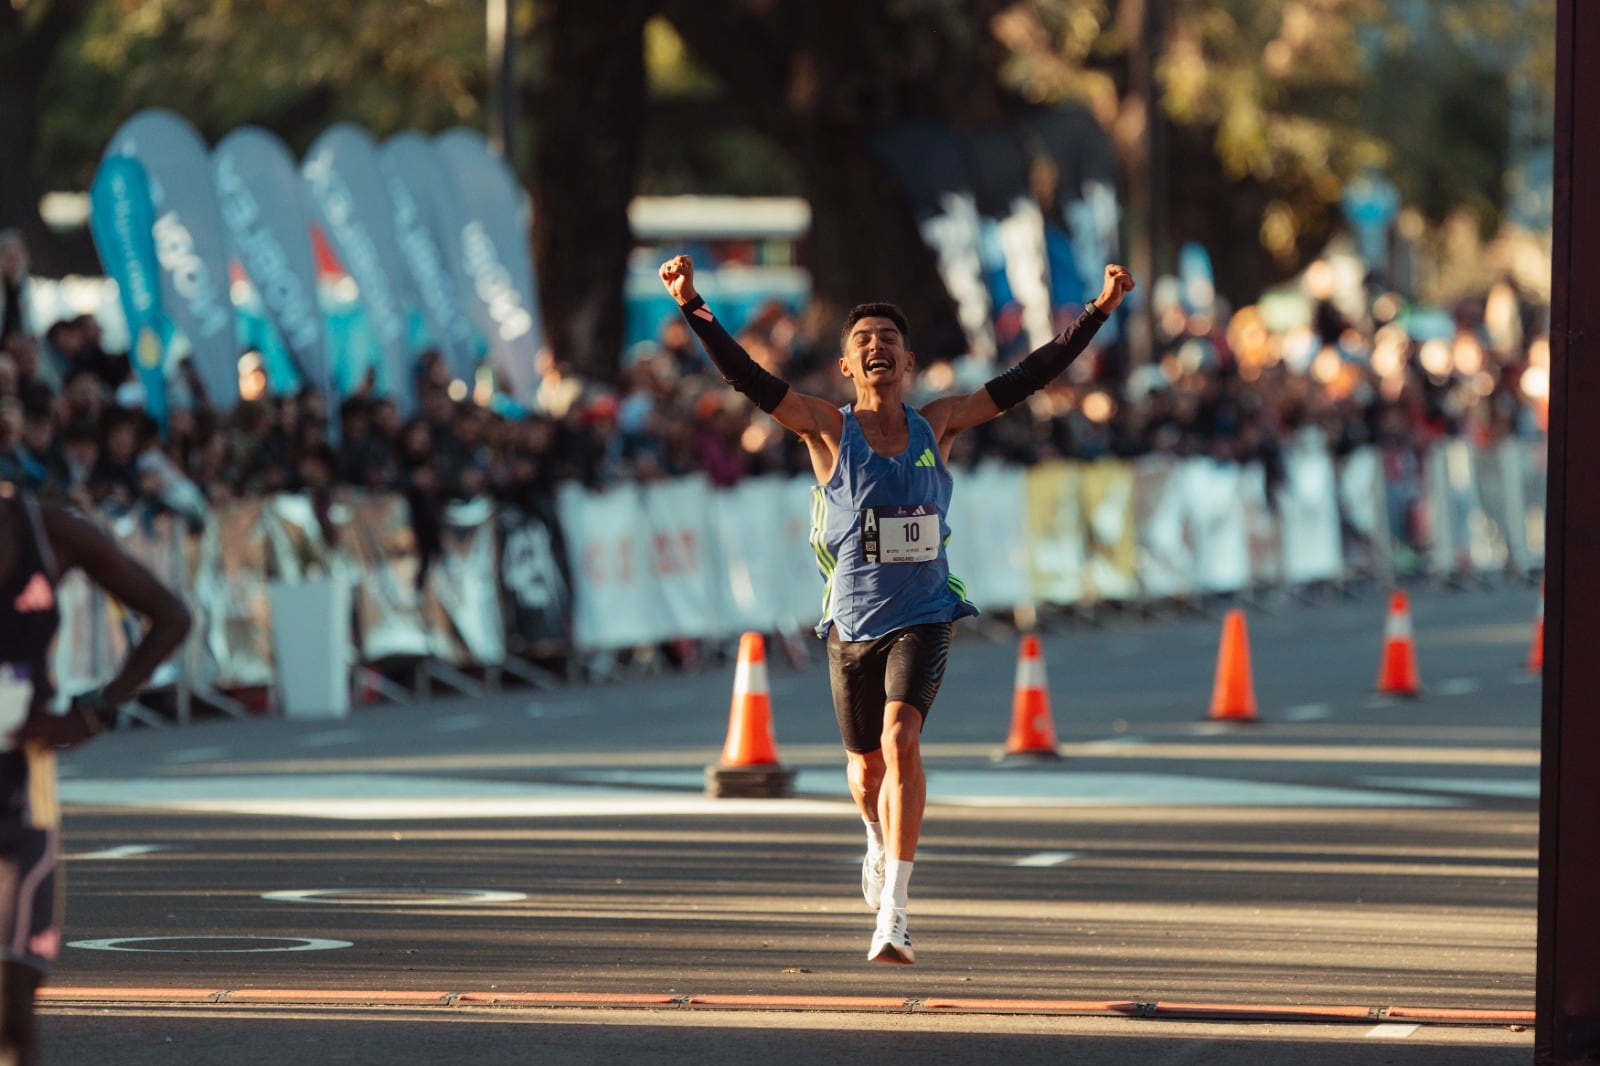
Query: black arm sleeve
[[1045, 362], [733, 362]]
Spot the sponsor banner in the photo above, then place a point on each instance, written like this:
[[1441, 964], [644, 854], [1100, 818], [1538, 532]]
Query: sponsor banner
[[426, 225], [233, 613], [676, 513], [1308, 512], [766, 574], [1166, 551], [988, 547], [1524, 463], [746, 533], [122, 222], [1212, 494], [80, 658], [493, 265], [1112, 562], [190, 243], [533, 574], [375, 531], [616, 601], [462, 594], [352, 200], [1262, 531], [1053, 518], [159, 542], [1461, 540], [1368, 546], [267, 212]]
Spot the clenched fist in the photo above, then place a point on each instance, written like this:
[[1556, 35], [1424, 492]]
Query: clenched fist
[[1117, 285], [677, 274]]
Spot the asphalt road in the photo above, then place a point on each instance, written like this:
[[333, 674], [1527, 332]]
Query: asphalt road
[[1169, 891]]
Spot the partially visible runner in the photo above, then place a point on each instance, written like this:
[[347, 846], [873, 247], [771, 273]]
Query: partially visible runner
[[879, 529], [38, 544]]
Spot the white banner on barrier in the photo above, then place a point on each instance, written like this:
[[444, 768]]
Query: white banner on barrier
[[463, 586], [1308, 512], [770, 581], [1053, 513], [1369, 547], [676, 514], [988, 548], [616, 602], [1460, 530], [1212, 494], [1112, 560], [1166, 551], [1263, 535]]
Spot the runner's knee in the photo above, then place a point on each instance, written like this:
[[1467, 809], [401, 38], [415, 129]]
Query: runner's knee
[[865, 771], [901, 737]]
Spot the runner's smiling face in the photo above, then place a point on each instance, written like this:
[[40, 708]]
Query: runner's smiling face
[[875, 352]]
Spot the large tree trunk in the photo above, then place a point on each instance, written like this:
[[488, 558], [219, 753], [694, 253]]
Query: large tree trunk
[[590, 113], [28, 47], [826, 77], [865, 246]]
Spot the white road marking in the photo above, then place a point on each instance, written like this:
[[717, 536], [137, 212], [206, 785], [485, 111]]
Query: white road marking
[[681, 791], [394, 897], [121, 851], [1378, 702], [332, 738], [1307, 712], [1459, 686], [1392, 1030], [1046, 858], [185, 944], [459, 723], [1210, 729], [188, 755]]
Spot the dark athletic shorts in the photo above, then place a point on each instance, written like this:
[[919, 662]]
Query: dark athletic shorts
[[867, 675]]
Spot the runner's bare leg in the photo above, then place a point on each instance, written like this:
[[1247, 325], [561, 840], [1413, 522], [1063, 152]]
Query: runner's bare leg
[[904, 791]]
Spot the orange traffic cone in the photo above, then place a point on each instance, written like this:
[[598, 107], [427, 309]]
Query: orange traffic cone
[[1033, 735], [749, 764], [1536, 653], [1397, 674], [1233, 695]]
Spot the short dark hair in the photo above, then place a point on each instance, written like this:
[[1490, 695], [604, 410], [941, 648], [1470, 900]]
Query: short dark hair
[[874, 310]]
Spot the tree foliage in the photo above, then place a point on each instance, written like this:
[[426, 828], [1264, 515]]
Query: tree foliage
[[1264, 107]]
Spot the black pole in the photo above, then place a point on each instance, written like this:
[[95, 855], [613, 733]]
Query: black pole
[[1567, 989]]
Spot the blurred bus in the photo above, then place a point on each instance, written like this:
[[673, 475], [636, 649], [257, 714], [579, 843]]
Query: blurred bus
[[744, 250]]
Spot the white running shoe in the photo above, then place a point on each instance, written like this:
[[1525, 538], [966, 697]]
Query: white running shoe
[[891, 942], [873, 872]]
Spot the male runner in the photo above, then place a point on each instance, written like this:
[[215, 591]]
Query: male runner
[[38, 544], [879, 530]]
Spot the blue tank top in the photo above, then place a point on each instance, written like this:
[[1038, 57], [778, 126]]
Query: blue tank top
[[879, 530]]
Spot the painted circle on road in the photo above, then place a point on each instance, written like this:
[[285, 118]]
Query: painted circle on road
[[395, 897], [210, 944]]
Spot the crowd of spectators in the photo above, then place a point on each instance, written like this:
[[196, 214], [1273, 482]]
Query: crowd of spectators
[[72, 422]]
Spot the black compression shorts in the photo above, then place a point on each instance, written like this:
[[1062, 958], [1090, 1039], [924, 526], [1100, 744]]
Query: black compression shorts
[[866, 675]]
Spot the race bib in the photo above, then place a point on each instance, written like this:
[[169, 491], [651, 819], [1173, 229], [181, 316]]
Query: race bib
[[16, 696], [900, 534]]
